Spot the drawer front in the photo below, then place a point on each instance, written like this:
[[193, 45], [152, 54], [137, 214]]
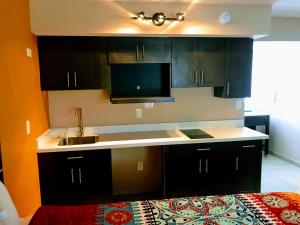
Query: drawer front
[[195, 147], [248, 145], [256, 120]]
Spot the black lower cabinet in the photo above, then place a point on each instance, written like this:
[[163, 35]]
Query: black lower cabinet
[[72, 178], [248, 167], [212, 168]]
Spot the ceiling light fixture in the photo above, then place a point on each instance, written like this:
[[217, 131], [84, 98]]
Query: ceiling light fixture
[[158, 19]]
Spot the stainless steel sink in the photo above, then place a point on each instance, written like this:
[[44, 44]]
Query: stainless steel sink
[[79, 140]]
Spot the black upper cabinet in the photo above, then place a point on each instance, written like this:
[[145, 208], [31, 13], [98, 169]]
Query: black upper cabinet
[[139, 50], [184, 62], [211, 62], [71, 63], [198, 62], [52, 64], [238, 68]]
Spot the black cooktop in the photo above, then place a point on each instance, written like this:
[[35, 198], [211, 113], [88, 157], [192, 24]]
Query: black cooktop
[[196, 134]]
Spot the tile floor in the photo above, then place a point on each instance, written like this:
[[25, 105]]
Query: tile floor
[[279, 175]]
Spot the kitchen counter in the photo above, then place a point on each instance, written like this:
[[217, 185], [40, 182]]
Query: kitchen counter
[[148, 135]]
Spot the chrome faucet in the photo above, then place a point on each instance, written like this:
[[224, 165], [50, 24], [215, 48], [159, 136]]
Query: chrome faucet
[[78, 112]]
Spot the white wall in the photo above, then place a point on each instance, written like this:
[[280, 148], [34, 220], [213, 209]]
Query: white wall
[[96, 17], [285, 117], [281, 67], [284, 29]]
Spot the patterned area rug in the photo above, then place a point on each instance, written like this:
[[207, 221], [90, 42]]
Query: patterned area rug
[[273, 208], [241, 209]]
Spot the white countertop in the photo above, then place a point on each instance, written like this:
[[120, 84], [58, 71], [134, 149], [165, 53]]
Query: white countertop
[[222, 131], [256, 113]]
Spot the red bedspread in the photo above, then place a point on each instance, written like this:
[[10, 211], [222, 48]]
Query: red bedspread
[[263, 209]]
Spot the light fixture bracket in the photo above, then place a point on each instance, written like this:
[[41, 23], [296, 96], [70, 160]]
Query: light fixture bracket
[[159, 18]]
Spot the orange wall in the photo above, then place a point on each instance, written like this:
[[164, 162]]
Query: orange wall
[[20, 100]]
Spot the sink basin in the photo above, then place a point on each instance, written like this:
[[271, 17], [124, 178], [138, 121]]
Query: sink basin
[[79, 140]]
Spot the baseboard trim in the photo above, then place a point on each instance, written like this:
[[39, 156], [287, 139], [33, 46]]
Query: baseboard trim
[[284, 158]]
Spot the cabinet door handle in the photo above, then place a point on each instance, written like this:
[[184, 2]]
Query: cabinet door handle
[[200, 166], [75, 157], [72, 176], [79, 172], [237, 163], [143, 51], [202, 76], [248, 146], [228, 89], [75, 79], [194, 76], [203, 149], [137, 52], [68, 79], [206, 165]]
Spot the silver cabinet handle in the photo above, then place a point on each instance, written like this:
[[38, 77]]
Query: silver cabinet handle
[[237, 163], [143, 51], [79, 172], [206, 165], [203, 149], [202, 76], [75, 79], [228, 89], [68, 79], [200, 166], [248, 146], [75, 157], [137, 52], [72, 176]]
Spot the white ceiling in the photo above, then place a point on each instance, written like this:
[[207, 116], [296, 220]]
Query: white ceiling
[[280, 8], [242, 2]]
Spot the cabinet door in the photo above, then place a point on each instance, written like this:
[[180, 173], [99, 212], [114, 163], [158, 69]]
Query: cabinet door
[[184, 62], [55, 178], [202, 169], [155, 50], [81, 64], [219, 167], [184, 172], [123, 50], [75, 177], [248, 167], [238, 68], [211, 62], [52, 64], [95, 174], [71, 63]]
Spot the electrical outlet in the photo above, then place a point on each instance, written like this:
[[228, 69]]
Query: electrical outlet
[[139, 113], [27, 127], [239, 104], [29, 52], [140, 166]]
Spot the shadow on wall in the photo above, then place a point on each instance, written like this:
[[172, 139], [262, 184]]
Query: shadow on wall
[[1, 167], [284, 137]]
